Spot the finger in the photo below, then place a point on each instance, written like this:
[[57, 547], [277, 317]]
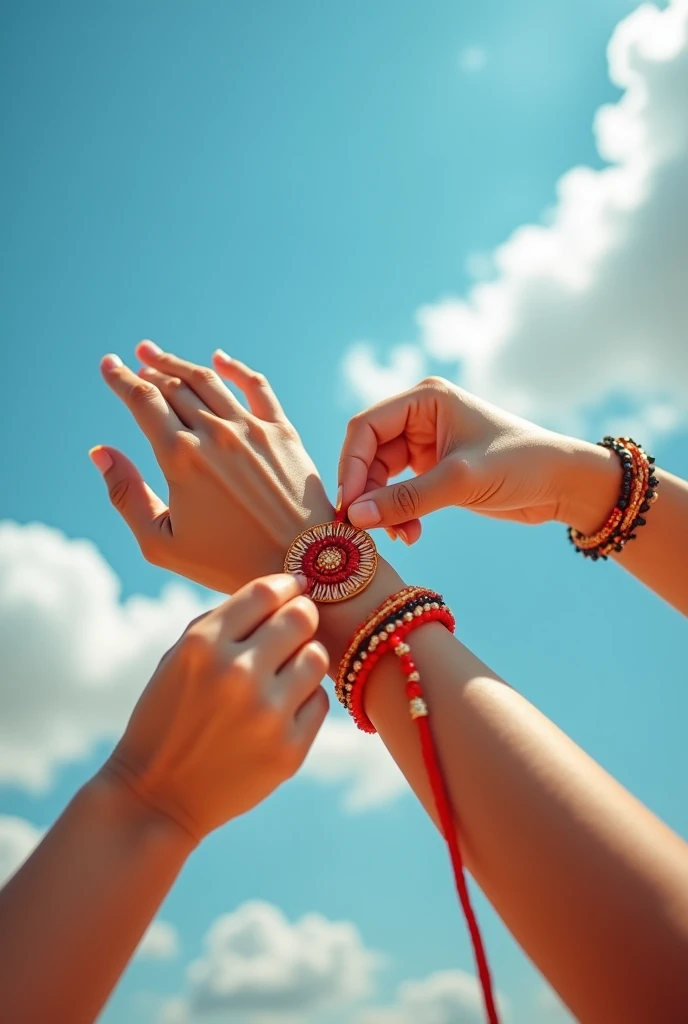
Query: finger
[[391, 459], [309, 718], [281, 636], [146, 515], [148, 407], [262, 400], [365, 434], [409, 532], [409, 499], [243, 613], [302, 675], [201, 379], [188, 406]]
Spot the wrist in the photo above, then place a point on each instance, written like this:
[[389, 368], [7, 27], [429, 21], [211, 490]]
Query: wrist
[[112, 801], [589, 485]]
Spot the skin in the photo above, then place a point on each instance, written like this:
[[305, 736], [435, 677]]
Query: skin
[[592, 885], [229, 715]]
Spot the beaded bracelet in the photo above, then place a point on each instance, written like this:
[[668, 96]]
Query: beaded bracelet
[[638, 492], [397, 617], [387, 629]]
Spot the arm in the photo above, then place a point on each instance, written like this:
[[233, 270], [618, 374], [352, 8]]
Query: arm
[[228, 716], [467, 452], [74, 914], [591, 884]]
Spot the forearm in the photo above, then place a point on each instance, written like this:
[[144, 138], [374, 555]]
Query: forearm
[[658, 557], [590, 883], [74, 913]]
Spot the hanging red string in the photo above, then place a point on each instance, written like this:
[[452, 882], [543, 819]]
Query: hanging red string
[[449, 830]]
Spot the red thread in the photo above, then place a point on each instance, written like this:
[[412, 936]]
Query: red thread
[[449, 830]]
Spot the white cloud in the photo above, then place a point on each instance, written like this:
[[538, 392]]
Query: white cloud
[[591, 305], [371, 381], [472, 59], [73, 656], [17, 840], [345, 755], [446, 997], [161, 942], [256, 962]]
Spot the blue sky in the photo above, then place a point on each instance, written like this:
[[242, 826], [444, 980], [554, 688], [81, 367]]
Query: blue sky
[[287, 181]]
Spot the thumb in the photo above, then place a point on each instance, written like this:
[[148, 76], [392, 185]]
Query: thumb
[[409, 499], [146, 515]]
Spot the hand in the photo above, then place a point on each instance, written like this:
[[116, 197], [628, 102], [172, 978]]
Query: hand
[[241, 485], [466, 452], [231, 710]]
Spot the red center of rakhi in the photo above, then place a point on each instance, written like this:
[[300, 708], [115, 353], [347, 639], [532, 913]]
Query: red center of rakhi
[[338, 560], [331, 560]]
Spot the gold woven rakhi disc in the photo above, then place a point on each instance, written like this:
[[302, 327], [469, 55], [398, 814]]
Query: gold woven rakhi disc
[[338, 560]]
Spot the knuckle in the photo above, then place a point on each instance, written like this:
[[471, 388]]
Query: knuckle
[[436, 382], [173, 384], [243, 675], [182, 447], [302, 616], [119, 493], [263, 592], [407, 500], [197, 646], [258, 380], [257, 431], [202, 375], [221, 432], [356, 423], [316, 659], [286, 430], [142, 391]]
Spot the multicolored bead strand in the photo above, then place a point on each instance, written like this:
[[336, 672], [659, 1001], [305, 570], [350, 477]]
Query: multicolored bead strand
[[638, 492]]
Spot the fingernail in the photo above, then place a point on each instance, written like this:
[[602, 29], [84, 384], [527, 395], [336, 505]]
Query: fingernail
[[338, 502], [110, 362], [391, 532], [221, 354], [404, 536], [101, 458], [364, 513], [152, 347], [302, 580]]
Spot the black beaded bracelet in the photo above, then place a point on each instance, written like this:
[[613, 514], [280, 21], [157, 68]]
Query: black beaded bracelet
[[638, 492]]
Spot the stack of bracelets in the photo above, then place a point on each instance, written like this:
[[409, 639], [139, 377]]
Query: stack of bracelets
[[638, 492], [339, 561]]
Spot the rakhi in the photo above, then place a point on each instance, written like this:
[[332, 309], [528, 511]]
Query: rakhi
[[339, 561]]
